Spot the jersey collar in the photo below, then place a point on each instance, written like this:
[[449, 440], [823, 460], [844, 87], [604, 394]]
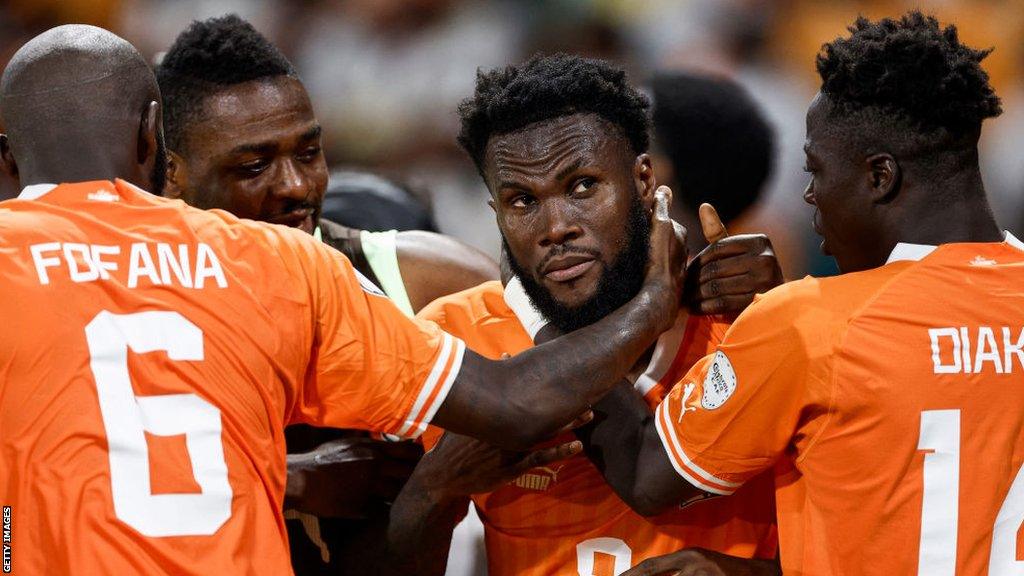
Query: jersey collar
[[35, 191], [914, 252]]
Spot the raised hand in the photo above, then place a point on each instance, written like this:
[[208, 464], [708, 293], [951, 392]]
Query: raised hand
[[666, 269], [726, 275]]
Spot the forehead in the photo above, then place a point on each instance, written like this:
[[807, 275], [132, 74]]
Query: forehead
[[262, 110], [822, 133], [541, 148]]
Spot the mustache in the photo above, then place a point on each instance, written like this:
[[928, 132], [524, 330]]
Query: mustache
[[564, 250]]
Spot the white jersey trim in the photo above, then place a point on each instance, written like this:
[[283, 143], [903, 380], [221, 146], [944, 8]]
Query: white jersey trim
[[35, 191], [670, 441], [916, 252], [418, 418]]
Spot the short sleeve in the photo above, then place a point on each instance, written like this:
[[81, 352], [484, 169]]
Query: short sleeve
[[373, 367], [737, 409]]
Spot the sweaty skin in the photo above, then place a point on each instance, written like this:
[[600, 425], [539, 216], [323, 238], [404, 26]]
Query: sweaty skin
[[549, 223], [513, 403], [562, 192], [256, 151]]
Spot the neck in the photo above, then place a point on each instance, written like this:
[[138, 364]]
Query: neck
[[54, 170], [956, 210]]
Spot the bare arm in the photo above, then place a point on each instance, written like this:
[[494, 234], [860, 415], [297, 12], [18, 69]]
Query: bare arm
[[433, 266], [518, 402], [623, 443], [436, 496]]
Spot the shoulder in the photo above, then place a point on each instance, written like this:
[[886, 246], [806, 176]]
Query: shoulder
[[434, 265], [481, 302], [481, 318], [437, 250]]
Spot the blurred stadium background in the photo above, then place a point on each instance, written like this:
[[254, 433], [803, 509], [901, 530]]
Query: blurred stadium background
[[385, 76]]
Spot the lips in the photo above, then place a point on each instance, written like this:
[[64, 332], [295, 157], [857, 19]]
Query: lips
[[567, 268], [303, 219]]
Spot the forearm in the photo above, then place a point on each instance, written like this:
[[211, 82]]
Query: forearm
[[523, 400], [420, 532], [623, 443], [614, 438]]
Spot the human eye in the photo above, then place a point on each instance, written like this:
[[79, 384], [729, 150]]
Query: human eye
[[582, 185], [521, 201], [310, 153], [254, 167]]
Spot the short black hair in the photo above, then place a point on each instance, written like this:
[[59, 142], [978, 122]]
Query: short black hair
[[547, 87], [719, 143], [909, 70], [209, 55]]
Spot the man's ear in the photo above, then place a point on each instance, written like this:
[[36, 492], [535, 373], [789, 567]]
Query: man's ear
[[644, 180], [149, 127], [7, 163], [177, 176], [885, 177]]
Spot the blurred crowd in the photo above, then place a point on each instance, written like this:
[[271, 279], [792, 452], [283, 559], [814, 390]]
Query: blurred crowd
[[386, 77]]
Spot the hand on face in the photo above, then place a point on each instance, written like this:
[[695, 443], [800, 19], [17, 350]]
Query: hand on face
[[700, 562], [666, 269], [343, 478], [726, 275]]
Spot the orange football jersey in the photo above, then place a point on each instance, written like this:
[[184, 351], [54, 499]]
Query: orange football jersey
[[889, 404], [564, 518], [151, 356]]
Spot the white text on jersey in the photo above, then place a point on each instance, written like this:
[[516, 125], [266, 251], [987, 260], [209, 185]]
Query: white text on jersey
[[157, 264], [963, 350]]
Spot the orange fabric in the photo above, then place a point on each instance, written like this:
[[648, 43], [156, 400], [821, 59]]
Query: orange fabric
[[287, 335], [833, 385], [564, 518]]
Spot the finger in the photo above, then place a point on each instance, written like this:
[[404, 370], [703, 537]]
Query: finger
[[729, 267], [711, 224], [653, 567], [549, 455], [725, 304], [662, 202], [581, 420], [729, 247], [731, 286]]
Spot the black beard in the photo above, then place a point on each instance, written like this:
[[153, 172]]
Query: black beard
[[618, 284]]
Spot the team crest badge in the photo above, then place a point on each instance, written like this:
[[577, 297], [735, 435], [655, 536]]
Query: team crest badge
[[720, 382]]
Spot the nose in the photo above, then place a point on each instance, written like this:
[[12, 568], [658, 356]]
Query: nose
[[809, 193], [293, 183], [561, 224]]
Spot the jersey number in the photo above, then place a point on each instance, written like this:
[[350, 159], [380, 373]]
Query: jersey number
[[587, 554], [127, 417], [940, 436]]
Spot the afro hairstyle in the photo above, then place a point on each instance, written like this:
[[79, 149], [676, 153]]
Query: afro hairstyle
[[909, 70], [719, 143], [209, 55], [547, 87]]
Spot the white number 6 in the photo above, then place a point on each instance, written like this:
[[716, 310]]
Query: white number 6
[[127, 417]]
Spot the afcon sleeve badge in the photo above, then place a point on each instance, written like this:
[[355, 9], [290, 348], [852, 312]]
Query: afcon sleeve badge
[[720, 382]]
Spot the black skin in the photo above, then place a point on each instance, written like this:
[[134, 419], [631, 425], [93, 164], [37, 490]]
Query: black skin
[[513, 404], [701, 562], [866, 203], [564, 183], [255, 150], [90, 113]]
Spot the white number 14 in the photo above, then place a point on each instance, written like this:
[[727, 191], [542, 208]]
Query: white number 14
[[940, 436]]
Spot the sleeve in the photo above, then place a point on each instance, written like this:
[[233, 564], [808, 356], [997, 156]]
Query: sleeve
[[373, 368], [736, 410]]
